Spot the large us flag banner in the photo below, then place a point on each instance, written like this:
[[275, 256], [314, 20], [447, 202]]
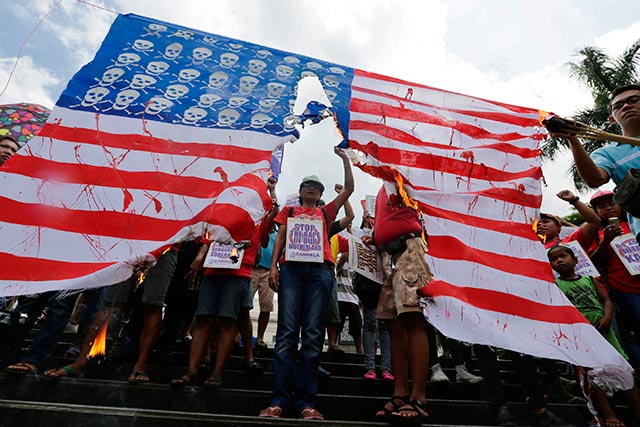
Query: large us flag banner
[[169, 134]]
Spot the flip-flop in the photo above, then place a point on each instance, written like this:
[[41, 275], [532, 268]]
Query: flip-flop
[[271, 412], [21, 368], [69, 373], [138, 377], [213, 382], [188, 379]]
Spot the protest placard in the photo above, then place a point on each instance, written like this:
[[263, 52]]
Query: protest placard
[[365, 260], [219, 256], [304, 240], [584, 267], [628, 250]]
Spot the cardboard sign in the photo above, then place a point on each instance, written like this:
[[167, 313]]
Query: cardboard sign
[[584, 267], [305, 240], [370, 204], [292, 200], [219, 256], [628, 250], [365, 260]]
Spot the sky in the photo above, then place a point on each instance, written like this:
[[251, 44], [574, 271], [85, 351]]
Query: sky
[[509, 51]]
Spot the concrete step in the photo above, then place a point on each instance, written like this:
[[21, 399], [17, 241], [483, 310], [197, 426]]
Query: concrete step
[[240, 402], [31, 414]]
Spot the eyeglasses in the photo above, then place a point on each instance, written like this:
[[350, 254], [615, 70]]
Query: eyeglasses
[[631, 100]]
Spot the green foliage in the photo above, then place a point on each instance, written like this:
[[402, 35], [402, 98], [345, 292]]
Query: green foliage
[[601, 74], [574, 218]]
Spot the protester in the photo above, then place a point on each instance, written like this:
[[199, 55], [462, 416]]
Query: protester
[[624, 288], [592, 301], [8, 147], [117, 299], [220, 296], [460, 355], [333, 316], [613, 161], [398, 233], [303, 292], [348, 303], [260, 284], [58, 311], [368, 293], [548, 225]]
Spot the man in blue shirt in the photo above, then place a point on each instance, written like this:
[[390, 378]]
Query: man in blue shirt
[[614, 160]]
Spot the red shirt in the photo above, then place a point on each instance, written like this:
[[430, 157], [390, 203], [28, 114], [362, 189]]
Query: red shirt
[[577, 236], [248, 260], [330, 212], [618, 276], [393, 219]]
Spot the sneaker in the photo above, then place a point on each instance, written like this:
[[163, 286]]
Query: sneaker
[[438, 375], [549, 419], [464, 376]]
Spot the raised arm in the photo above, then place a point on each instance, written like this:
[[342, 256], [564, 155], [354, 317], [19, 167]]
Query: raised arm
[[592, 220], [271, 185], [348, 178], [349, 215]]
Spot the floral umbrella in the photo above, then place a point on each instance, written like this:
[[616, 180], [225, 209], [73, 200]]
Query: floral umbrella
[[22, 121]]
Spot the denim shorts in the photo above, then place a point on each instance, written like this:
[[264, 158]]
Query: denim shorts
[[221, 296], [247, 296]]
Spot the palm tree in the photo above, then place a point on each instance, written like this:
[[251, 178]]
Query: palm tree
[[601, 74]]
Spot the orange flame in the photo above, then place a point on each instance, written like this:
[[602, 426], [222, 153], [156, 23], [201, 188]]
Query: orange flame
[[534, 226], [166, 250], [141, 277], [99, 346], [408, 201], [542, 115], [207, 235]]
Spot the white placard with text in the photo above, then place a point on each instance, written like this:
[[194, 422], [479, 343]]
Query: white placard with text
[[219, 256], [304, 240], [628, 250]]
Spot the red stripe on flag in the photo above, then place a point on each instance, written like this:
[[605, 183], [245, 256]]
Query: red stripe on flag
[[447, 247], [49, 170], [514, 108], [38, 269], [431, 162], [506, 118], [122, 224], [407, 138], [505, 303], [386, 111], [137, 142], [511, 228]]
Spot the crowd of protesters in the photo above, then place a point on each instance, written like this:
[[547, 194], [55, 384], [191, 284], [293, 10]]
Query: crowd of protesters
[[178, 299]]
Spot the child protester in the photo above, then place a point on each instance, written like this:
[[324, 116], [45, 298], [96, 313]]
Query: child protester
[[590, 298]]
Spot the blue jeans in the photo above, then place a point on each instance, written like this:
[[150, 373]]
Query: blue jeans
[[51, 327], [369, 340], [302, 311]]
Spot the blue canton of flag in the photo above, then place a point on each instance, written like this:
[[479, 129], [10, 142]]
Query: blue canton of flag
[[178, 75]]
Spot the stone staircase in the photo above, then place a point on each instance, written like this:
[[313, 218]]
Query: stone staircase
[[104, 398]]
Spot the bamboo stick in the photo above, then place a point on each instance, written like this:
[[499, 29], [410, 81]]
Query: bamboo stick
[[557, 124]]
